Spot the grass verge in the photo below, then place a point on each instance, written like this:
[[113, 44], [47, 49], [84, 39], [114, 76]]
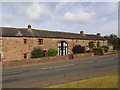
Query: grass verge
[[106, 81]]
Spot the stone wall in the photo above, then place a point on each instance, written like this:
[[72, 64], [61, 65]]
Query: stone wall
[[42, 60], [13, 48]]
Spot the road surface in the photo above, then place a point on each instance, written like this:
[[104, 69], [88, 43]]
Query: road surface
[[60, 72]]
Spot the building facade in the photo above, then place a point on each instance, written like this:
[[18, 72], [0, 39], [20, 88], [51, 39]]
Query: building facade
[[18, 43]]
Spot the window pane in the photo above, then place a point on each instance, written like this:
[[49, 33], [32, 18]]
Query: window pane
[[63, 52]]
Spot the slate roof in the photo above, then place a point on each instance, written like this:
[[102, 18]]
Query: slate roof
[[24, 32]]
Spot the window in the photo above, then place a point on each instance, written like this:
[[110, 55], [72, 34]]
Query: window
[[103, 41], [25, 56], [25, 41], [83, 42], [95, 41], [62, 48], [19, 32], [40, 41]]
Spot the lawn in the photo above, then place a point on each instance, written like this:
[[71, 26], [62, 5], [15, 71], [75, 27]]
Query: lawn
[[106, 81]]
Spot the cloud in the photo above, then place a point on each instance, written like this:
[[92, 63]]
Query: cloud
[[108, 28], [59, 6], [80, 17], [7, 26], [64, 11], [8, 17], [36, 11]]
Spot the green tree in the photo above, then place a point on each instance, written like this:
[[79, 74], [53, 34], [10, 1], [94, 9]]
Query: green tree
[[114, 40]]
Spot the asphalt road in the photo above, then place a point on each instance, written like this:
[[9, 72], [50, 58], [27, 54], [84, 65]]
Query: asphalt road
[[55, 73]]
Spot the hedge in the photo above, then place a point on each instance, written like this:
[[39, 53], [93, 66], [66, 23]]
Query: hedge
[[51, 52], [37, 53]]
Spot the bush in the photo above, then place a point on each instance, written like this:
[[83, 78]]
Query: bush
[[91, 44], [106, 48], [51, 52], [78, 49], [37, 53], [98, 44], [88, 51], [98, 51]]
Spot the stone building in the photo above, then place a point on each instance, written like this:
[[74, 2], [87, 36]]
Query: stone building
[[18, 43]]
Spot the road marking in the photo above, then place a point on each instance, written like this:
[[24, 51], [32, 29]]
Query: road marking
[[47, 68], [63, 65], [58, 66], [112, 59]]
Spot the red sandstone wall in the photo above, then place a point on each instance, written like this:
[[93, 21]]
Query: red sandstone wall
[[14, 48]]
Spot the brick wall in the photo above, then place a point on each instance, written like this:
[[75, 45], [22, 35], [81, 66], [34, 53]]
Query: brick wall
[[13, 48]]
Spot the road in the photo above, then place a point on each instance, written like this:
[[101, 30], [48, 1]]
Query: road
[[55, 73]]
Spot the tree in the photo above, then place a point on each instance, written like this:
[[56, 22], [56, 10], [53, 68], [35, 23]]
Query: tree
[[91, 44], [114, 40]]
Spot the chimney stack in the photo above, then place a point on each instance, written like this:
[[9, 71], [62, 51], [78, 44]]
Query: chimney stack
[[82, 32], [98, 34], [29, 27]]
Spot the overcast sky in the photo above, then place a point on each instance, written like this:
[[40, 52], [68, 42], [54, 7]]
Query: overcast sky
[[91, 17]]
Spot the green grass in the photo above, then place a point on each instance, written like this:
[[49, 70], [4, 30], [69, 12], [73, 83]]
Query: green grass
[[106, 81]]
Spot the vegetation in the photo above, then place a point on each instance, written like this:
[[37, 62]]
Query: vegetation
[[98, 51], [51, 52], [78, 49], [106, 48], [91, 44], [106, 81], [37, 53], [98, 44], [114, 40]]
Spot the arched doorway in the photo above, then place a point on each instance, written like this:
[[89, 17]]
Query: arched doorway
[[62, 48]]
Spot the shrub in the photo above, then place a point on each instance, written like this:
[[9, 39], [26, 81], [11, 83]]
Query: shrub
[[98, 44], [106, 48], [88, 51], [91, 44], [98, 51], [78, 49], [51, 52], [37, 53]]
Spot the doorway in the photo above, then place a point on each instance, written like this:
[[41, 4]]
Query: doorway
[[62, 48]]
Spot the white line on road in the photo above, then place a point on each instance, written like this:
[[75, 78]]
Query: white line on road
[[47, 68], [57, 66], [63, 65], [112, 59]]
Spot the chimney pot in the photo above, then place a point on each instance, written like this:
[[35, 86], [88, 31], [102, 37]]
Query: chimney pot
[[98, 34], [29, 27], [82, 32]]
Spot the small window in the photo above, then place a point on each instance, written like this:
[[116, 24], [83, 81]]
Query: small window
[[40, 41], [19, 32], [103, 41], [83, 42], [25, 41], [25, 56], [95, 41]]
